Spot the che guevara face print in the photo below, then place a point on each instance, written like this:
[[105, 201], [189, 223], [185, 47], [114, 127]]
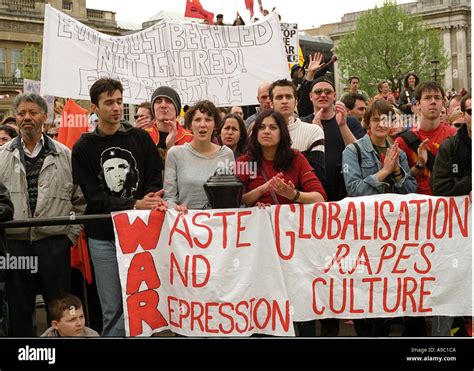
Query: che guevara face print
[[119, 175]]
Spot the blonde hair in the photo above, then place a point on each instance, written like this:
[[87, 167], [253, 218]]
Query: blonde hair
[[454, 116]]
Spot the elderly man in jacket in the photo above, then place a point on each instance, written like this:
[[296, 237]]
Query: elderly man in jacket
[[37, 171]]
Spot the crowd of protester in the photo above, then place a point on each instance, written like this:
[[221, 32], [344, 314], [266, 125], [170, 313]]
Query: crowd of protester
[[308, 146]]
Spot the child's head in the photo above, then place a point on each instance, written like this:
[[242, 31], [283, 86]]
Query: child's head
[[67, 316]]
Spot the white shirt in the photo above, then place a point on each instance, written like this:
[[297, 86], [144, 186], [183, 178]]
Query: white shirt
[[36, 150]]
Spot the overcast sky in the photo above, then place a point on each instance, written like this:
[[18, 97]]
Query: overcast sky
[[307, 13]]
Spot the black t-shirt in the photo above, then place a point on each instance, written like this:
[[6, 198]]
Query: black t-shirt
[[162, 143], [115, 171], [334, 145]]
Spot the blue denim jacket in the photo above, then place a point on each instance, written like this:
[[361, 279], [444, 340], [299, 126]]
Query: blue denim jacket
[[360, 179]]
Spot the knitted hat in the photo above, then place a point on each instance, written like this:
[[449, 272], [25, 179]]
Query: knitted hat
[[166, 92], [323, 79]]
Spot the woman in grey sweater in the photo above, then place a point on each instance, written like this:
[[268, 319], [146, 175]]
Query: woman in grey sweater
[[189, 166]]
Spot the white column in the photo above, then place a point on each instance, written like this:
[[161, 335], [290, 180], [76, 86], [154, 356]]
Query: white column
[[448, 74], [462, 57], [339, 84]]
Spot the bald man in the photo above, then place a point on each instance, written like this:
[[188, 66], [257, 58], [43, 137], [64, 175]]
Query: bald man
[[263, 97]]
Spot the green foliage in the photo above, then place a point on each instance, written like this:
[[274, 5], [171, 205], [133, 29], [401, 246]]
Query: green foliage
[[387, 44], [32, 61]]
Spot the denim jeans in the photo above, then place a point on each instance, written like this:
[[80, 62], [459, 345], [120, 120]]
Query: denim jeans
[[104, 258]]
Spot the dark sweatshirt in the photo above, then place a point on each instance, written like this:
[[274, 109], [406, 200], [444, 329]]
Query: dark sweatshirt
[[114, 171]]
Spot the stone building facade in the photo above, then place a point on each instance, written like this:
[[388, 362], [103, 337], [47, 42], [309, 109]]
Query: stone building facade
[[21, 26], [452, 18]]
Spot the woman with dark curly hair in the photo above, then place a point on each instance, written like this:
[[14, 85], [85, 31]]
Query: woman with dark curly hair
[[283, 175]]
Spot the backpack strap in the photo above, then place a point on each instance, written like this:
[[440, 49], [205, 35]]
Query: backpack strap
[[359, 155], [413, 142]]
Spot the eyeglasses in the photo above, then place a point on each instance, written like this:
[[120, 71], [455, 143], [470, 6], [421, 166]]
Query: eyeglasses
[[326, 91], [458, 124], [430, 97], [468, 111]]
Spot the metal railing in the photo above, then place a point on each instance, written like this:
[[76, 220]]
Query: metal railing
[[57, 220], [11, 81], [18, 5], [96, 14]]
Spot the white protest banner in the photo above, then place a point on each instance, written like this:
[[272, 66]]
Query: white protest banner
[[207, 273], [235, 272], [34, 86], [291, 41], [221, 63], [377, 256]]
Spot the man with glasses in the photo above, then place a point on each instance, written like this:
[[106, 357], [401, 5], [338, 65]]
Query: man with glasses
[[421, 144], [339, 131]]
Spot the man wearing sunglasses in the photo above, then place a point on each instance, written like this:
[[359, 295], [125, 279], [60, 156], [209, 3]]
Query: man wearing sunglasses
[[339, 131]]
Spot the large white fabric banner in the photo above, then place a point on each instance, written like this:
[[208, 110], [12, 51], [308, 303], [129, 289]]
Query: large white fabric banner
[[224, 64], [241, 271]]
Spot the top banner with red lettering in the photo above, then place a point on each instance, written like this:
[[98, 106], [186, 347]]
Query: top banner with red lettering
[[237, 272]]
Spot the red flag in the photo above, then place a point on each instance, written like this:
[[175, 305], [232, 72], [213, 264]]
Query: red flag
[[194, 9], [73, 123], [249, 6], [80, 257]]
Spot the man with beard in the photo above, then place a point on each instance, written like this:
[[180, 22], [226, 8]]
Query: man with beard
[[37, 172]]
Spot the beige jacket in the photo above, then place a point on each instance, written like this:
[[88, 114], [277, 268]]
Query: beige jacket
[[57, 195]]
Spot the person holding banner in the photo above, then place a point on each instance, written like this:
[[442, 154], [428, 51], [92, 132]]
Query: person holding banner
[[452, 176], [189, 166], [118, 168], [284, 175]]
